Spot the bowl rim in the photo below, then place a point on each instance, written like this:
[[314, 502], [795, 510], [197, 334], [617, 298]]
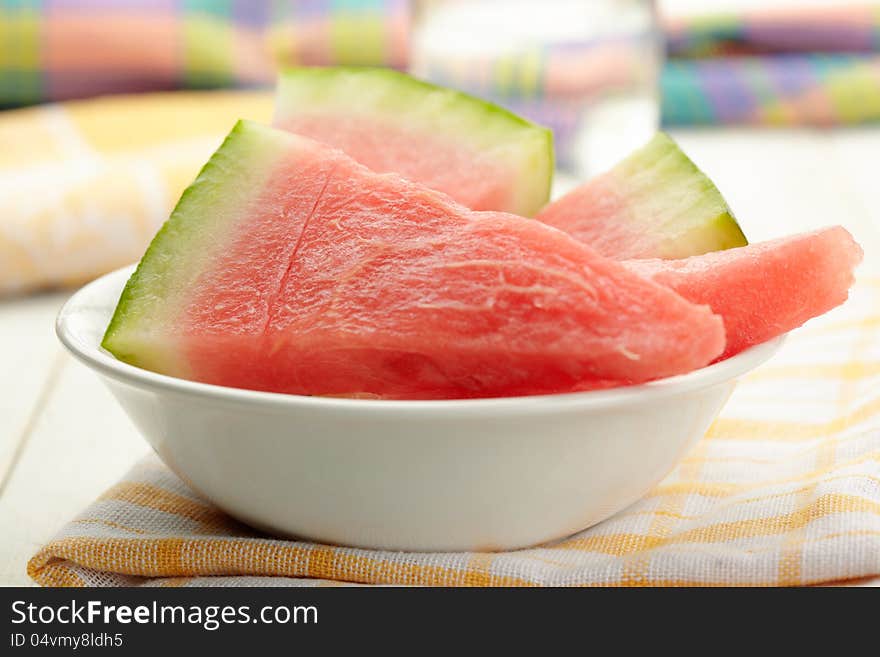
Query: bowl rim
[[88, 297]]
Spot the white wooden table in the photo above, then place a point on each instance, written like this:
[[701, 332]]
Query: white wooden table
[[63, 439]]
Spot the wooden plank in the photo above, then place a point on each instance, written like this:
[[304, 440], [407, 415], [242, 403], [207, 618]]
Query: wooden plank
[[855, 151], [81, 443], [29, 353]]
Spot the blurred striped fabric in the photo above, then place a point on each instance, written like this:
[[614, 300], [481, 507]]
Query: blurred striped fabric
[[813, 65], [62, 49], [809, 65], [832, 27]]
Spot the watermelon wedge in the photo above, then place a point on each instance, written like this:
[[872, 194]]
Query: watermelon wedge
[[483, 156], [654, 204], [766, 289], [289, 267]]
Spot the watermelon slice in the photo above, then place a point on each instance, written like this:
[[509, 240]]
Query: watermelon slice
[[765, 289], [654, 204], [481, 155], [289, 267]]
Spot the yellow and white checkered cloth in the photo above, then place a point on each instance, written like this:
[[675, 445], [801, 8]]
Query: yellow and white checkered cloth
[[85, 185], [784, 489]]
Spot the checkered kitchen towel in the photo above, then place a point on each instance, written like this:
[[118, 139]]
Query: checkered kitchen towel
[[85, 185], [784, 489]]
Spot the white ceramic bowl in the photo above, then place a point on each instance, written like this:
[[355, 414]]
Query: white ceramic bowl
[[486, 474]]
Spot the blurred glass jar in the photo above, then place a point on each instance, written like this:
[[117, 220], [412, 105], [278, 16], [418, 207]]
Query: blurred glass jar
[[588, 69]]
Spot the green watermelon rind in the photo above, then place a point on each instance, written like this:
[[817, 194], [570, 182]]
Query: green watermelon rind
[[378, 91], [662, 176], [179, 246]]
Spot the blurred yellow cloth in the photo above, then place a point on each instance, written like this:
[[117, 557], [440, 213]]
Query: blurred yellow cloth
[[85, 185], [784, 489]]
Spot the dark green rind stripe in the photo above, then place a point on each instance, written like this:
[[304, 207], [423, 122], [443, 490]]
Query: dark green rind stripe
[[660, 172], [484, 124], [182, 247], [402, 81]]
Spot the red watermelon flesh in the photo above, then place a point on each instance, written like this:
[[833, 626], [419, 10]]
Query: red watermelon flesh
[[478, 182], [765, 289], [322, 277], [483, 156], [656, 203]]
